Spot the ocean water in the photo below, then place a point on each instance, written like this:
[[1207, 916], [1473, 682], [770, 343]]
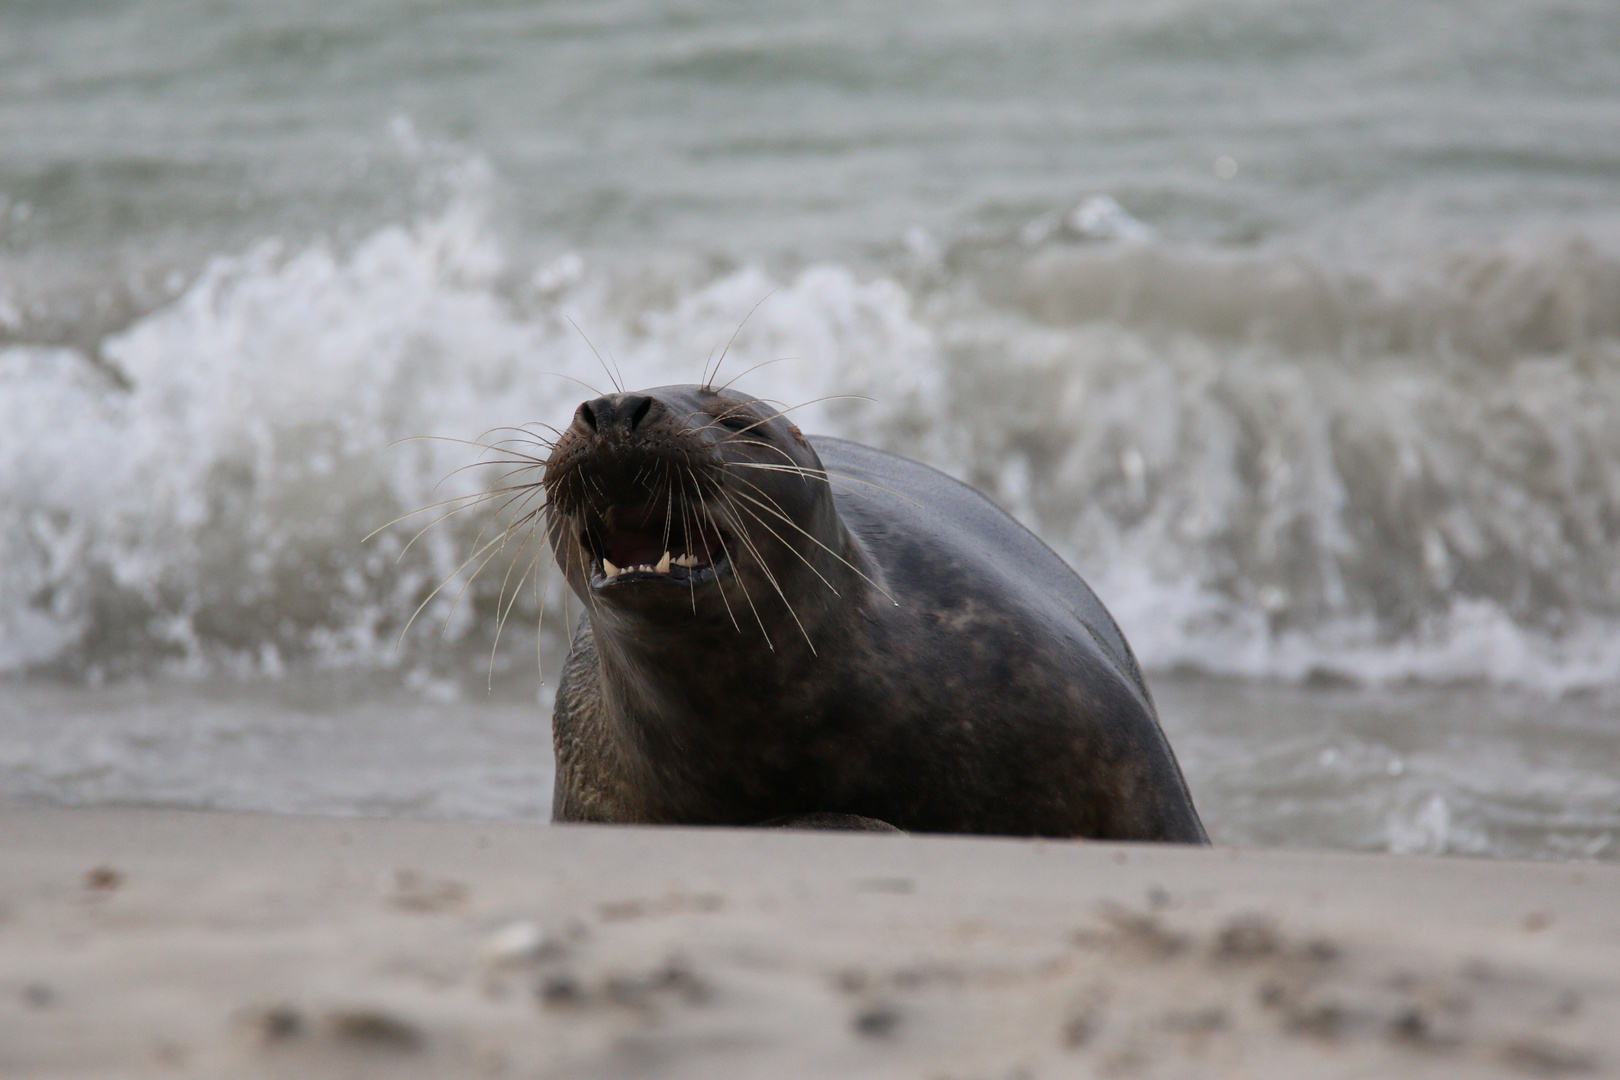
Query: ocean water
[[1294, 326]]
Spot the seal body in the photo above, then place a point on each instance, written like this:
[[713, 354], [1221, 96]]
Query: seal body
[[779, 628]]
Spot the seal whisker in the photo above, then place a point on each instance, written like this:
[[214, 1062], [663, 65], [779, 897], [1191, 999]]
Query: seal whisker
[[507, 445], [709, 379], [766, 526], [522, 497], [513, 445], [519, 499], [477, 497], [523, 429], [568, 619], [669, 504], [750, 371], [764, 446], [697, 503], [802, 404], [617, 383], [742, 582], [521, 462], [523, 436], [555, 527], [537, 519], [764, 499], [500, 540], [735, 410], [531, 518], [736, 572], [517, 493], [765, 568], [503, 615], [821, 473], [818, 543], [739, 409], [707, 360], [543, 586], [686, 526], [570, 378], [462, 442], [585, 574], [519, 465], [465, 585], [440, 587]]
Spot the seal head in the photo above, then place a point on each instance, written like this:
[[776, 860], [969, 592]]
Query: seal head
[[784, 628], [679, 508]]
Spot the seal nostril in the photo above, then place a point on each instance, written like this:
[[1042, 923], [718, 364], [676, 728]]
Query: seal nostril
[[615, 413], [639, 412]]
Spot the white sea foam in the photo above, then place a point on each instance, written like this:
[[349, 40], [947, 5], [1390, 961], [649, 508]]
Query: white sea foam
[[1246, 506], [214, 511]]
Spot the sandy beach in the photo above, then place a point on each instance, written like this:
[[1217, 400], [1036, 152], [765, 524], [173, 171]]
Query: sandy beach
[[163, 943], [1292, 327]]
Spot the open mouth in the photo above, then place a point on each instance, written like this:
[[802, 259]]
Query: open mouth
[[648, 542]]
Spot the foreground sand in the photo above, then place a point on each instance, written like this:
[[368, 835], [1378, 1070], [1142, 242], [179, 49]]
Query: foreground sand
[[149, 943]]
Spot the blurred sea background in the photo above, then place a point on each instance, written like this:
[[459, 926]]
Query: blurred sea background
[[1293, 325]]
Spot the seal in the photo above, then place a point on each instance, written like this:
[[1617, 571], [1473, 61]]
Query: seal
[[808, 631]]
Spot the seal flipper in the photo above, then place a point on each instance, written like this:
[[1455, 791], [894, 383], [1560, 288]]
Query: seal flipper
[[845, 822]]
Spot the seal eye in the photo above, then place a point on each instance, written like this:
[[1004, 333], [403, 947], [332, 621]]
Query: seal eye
[[738, 419]]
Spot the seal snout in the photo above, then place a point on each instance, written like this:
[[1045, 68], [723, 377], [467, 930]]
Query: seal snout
[[678, 485], [615, 413]]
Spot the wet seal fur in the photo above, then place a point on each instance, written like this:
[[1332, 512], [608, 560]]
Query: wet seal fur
[[812, 633]]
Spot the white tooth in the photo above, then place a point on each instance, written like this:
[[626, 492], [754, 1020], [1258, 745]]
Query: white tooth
[[663, 564], [688, 561], [610, 570]]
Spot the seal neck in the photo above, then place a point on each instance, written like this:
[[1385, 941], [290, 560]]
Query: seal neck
[[710, 689]]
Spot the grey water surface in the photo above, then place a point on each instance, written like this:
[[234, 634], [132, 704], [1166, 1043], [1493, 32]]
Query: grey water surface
[[1294, 326]]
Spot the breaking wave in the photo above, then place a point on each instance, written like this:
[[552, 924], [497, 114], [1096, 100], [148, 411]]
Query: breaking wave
[[1266, 466]]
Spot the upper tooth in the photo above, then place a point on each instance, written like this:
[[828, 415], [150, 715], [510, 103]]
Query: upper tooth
[[663, 564], [609, 569]]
